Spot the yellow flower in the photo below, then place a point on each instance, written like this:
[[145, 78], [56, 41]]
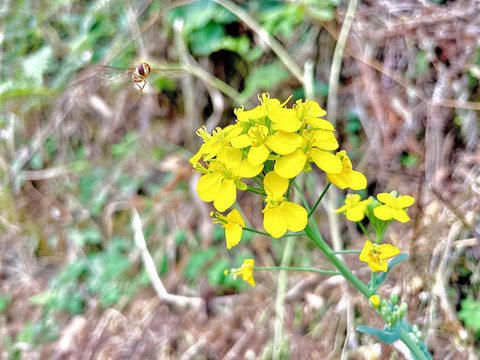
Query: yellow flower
[[233, 224], [374, 255], [213, 143], [246, 271], [354, 208], [309, 112], [347, 177], [281, 215], [222, 178], [255, 138], [313, 146], [375, 301], [394, 207]]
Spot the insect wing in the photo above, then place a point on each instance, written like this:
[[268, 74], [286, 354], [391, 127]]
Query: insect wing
[[169, 73], [110, 72]]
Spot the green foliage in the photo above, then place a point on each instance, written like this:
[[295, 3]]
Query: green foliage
[[470, 314], [4, 301], [198, 262], [104, 274]]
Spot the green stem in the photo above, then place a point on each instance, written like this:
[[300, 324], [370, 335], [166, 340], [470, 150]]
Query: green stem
[[319, 199], [365, 231], [256, 231], [300, 193], [416, 352], [344, 270], [289, 268]]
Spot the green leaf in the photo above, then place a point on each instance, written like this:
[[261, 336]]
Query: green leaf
[[470, 313], [387, 336], [207, 40]]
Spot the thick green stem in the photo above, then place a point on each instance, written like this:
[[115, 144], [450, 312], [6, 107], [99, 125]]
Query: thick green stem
[[344, 270], [416, 352]]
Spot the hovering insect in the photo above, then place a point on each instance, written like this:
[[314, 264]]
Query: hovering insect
[[138, 74]]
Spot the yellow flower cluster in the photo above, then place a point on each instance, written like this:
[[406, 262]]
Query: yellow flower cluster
[[283, 140]]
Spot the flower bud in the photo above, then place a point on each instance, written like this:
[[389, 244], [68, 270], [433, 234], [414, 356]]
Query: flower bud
[[375, 301]]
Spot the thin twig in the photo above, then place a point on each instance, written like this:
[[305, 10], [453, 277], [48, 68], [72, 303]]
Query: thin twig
[[177, 300]]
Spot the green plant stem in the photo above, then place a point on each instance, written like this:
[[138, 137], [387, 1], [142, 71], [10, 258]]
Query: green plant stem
[[319, 199], [344, 270], [365, 231], [256, 231], [326, 272], [355, 281], [416, 352]]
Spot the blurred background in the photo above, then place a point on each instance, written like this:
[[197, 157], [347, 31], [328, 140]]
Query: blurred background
[[106, 251]]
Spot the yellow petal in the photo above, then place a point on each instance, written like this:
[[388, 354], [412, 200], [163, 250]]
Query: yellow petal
[[255, 113], [284, 119], [247, 271], [230, 156], [233, 234], [275, 185], [226, 196], [385, 198], [387, 251], [365, 254], [208, 186], [400, 215], [289, 166], [326, 161], [241, 141], [405, 201], [295, 216], [356, 180], [314, 109], [340, 180], [246, 170], [342, 209], [320, 124], [236, 217], [325, 140], [355, 214], [273, 222], [383, 212], [284, 143], [258, 154]]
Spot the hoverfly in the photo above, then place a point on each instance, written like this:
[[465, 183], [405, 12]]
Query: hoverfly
[[138, 74]]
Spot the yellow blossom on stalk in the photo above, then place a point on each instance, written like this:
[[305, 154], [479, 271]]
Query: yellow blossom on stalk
[[354, 208], [233, 224], [213, 143], [312, 148], [374, 255], [255, 138], [309, 112], [394, 207], [246, 271], [222, 178], [265, 108], [347, 178], [281, 215]]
